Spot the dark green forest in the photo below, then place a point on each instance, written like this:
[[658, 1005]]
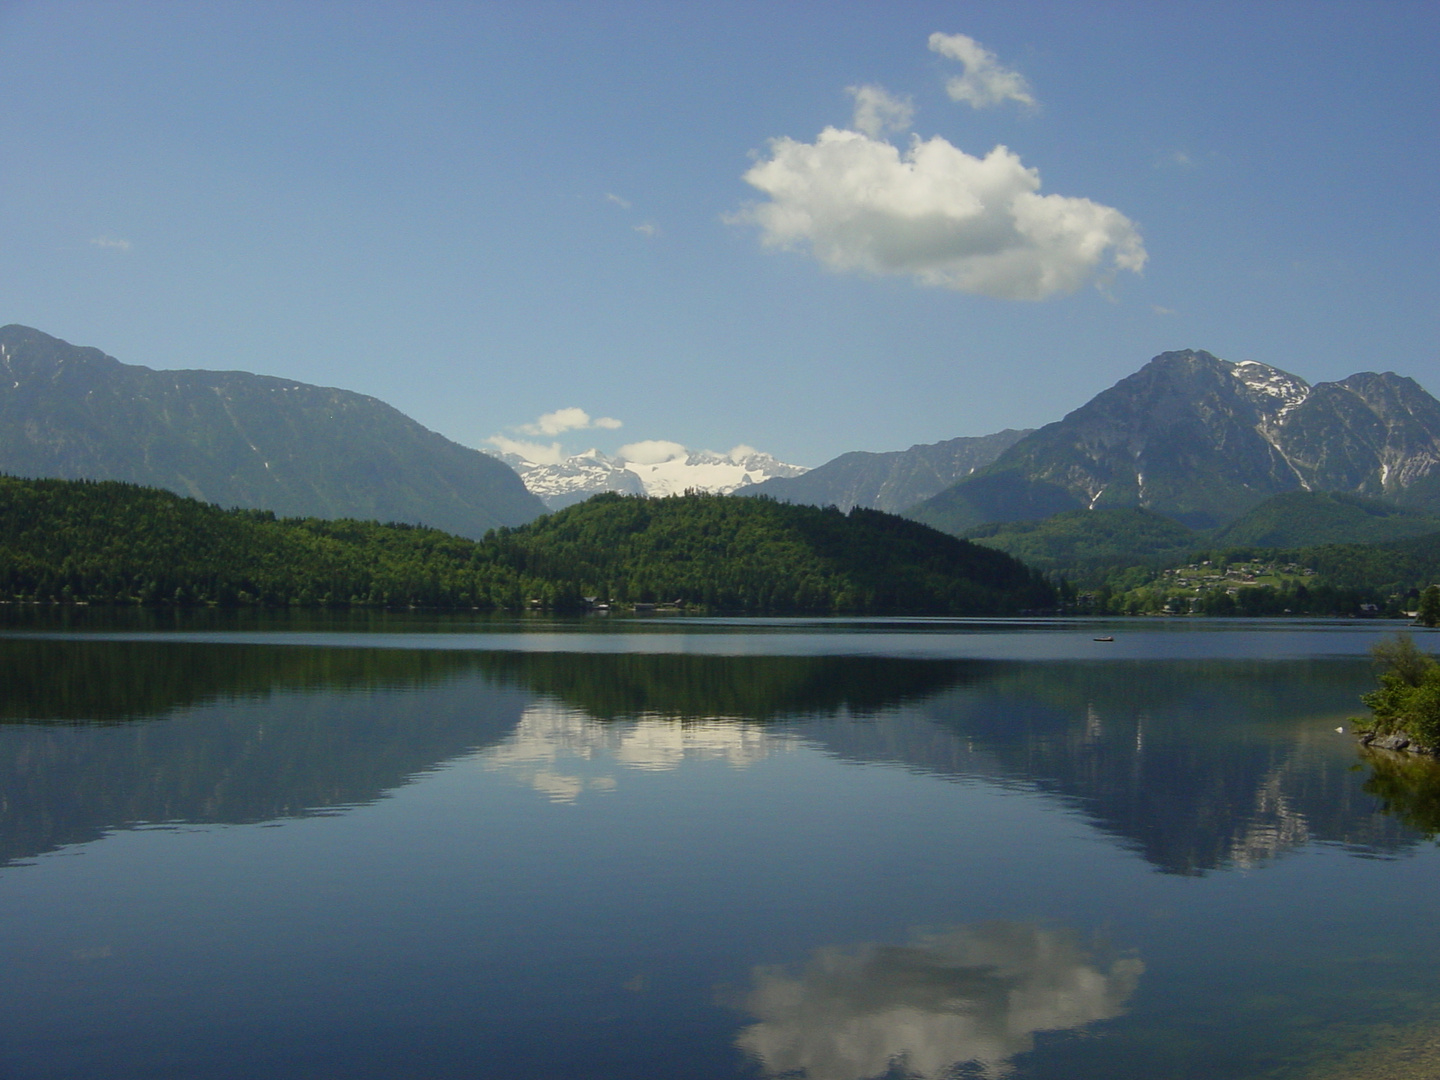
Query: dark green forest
[[1320, 579], [109, 543], [1091, 545], [115, 543], [1301, 553], [730, 554]]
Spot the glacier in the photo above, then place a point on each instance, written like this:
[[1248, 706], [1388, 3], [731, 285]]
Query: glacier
[[575, 478]]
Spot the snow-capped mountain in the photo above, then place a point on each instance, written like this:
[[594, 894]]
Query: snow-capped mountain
[[576, 478], [1204, 440], [709, 471]]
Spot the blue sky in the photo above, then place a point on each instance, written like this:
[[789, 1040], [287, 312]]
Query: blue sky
[[485, 213]]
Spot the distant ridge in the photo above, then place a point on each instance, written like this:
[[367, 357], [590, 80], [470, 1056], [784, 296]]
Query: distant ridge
[[237, 439], [891, 481], [1203, 440]]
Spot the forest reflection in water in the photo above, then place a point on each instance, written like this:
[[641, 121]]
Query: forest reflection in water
[[1196, 764], [1408, 787]]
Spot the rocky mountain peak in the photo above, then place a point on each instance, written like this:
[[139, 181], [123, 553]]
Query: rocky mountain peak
[[1276, 390], [1202, 440]]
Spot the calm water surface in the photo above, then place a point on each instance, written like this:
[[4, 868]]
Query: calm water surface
[[388, 846]]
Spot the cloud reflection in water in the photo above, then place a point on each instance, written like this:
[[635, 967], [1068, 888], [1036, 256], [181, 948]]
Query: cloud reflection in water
[[976, 994], [564, 752]]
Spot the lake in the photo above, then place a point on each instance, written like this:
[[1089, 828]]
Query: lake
[[238, 845]]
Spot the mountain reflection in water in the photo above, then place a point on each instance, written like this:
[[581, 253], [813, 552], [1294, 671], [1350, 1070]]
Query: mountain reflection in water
[[973, 995], [1195, 765]]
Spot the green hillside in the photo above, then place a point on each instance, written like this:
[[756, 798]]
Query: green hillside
[[1079, 541], [1397, 566], [1320, 579], [1125, 545], [108, 542], [1323, 517], [735, 554]]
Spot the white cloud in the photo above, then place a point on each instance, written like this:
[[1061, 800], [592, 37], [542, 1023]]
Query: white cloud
[[648, 228], [539, 453], [1176, 159], [113, 242], [551, 423], [936, 213], [651, 451], [571, 419], [877, 111], [624, 204], [973, 995], [985, 82]]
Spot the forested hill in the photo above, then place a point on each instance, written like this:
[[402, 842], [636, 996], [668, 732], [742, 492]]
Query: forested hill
[[109, 542], [757, 555]]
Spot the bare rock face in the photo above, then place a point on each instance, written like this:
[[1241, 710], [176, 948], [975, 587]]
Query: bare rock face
[[1203, 440], [1390, 742], [1370, 434], [1397, 742]]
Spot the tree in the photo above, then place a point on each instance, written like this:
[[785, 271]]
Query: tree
[[1429, 613], [1407, 701], [1400, 657]]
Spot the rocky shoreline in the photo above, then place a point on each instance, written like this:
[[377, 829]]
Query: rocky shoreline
[[1396, 741]]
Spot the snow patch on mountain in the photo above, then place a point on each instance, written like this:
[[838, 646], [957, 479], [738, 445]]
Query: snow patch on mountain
[[1280, 393], [575, 478], [677, 470], [1284, 390]]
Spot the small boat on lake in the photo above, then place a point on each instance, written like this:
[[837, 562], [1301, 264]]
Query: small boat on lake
[[1107, 637]]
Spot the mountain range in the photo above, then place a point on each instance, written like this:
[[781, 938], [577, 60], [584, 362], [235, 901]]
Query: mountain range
[[243, 440], [574, 479], [1189, 437], [892, 481], [1202, 440]]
